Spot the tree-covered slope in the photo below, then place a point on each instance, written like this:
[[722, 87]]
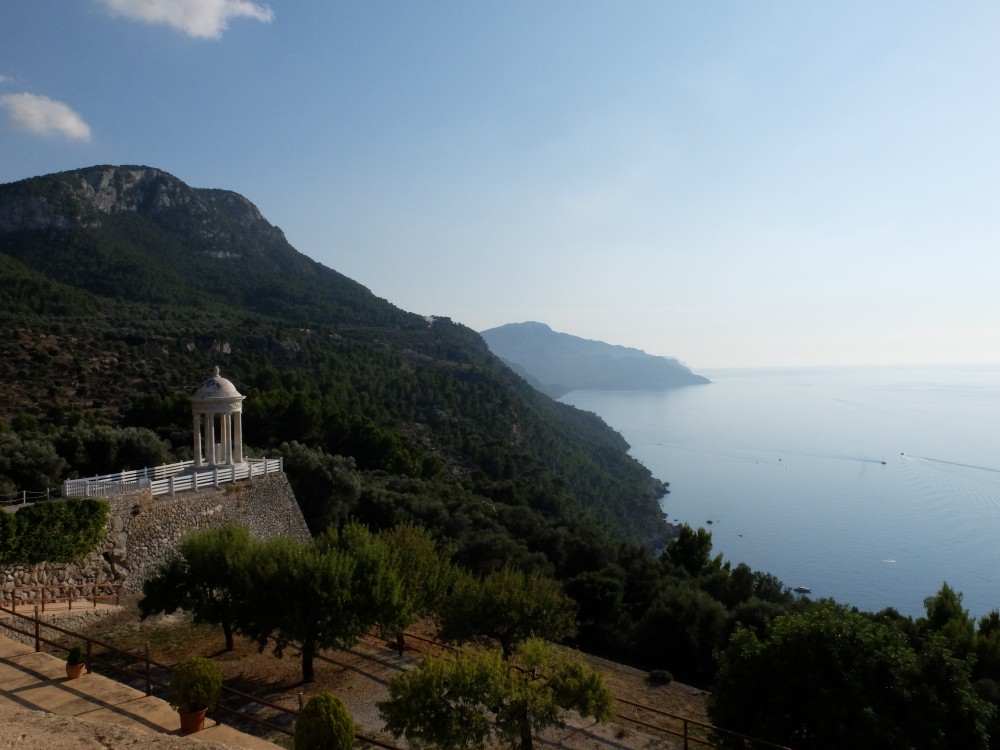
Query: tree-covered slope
[[122, 286]]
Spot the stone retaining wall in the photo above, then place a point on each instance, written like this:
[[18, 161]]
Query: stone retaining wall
[[143, 531]]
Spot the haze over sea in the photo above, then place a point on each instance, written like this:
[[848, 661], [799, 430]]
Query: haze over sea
[[787, 464]]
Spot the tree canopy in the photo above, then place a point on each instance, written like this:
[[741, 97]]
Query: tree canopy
[[459, 701], [206, 578], [507, 607], [323, 593], [833, 678]]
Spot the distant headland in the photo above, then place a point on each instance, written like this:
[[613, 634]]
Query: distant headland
[[557, 363]]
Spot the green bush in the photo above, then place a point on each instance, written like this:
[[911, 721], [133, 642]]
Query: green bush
[[660, 677], [52, 532], [8, 537], [195, 685], [324, 724]]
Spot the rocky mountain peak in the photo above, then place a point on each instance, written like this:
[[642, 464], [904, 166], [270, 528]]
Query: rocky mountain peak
[[81, 198]]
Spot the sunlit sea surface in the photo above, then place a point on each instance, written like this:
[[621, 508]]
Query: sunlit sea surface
[[869, 485]]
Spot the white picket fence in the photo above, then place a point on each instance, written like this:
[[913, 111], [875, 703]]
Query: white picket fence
[[170, 479]]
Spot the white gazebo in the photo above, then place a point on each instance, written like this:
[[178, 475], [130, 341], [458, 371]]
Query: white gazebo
[[217, 408]]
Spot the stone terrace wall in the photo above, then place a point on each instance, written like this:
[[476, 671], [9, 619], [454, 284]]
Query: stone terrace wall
[[143, 531]]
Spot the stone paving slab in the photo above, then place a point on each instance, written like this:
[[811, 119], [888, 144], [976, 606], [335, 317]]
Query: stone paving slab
[[146, 713], [43, 666], [226, 735], [10, 647], [38, 681], [21, 729], [13, 678]]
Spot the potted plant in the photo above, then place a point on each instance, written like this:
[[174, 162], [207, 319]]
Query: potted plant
[[195, 686], [75, 662]]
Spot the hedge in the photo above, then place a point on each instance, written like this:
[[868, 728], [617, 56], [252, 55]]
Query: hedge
[[52, 531]]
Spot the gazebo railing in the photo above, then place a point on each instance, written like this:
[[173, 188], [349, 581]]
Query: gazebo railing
[[170, 479]]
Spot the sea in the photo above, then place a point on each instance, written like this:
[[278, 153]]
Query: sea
[[871, 486]]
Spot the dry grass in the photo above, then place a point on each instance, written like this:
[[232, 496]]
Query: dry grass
[[360, 676]]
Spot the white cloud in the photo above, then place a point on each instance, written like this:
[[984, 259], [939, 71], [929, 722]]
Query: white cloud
[[44, 116], [199, 18]]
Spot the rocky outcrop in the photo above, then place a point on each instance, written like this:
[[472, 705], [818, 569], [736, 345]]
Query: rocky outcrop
[[82, 197]]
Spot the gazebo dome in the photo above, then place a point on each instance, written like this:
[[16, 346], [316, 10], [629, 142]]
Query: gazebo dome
[[216, 387]]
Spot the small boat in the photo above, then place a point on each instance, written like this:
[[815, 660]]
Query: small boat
[[802, 590]]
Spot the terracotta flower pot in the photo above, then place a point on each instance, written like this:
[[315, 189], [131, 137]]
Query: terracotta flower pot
[[74, 670], [193, 721]]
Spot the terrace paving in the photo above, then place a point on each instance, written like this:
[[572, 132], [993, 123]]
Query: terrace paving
[[37, 681]]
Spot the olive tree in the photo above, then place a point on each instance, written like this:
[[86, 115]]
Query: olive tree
[[425, 574], [507, 607], [459, 701], [207, 578], [325, 593]]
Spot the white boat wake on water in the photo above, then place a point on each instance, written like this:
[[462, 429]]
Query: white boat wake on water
[[954, 463]]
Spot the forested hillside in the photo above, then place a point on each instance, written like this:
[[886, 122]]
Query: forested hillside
[[120, 287]]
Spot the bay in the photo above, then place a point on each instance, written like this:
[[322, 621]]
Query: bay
[[872, 486]]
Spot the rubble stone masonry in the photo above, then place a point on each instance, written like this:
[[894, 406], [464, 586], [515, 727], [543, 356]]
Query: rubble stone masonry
[[144, 530]]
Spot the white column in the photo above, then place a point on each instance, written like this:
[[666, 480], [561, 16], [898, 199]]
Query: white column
[[227, 449], [198, 461], [210, 437], [238, 437]]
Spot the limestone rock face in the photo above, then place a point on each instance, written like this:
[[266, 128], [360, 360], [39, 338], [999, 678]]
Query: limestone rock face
[[83, 197]]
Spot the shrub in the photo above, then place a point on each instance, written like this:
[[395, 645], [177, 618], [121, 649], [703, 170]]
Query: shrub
[[195, 685], [660, 677], [324, 724], [53, 532]]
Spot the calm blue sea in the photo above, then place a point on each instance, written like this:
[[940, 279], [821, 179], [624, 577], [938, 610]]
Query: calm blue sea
[[869, 485]]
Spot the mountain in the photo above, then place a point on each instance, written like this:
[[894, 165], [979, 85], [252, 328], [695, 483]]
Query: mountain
[[140, 234], [558, 363], [121, 287]]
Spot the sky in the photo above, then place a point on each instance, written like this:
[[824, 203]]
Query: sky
[[730, 183]]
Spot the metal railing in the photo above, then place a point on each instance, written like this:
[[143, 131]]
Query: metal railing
[[30, 596], [24, 497], [692, 731], [141, 667]]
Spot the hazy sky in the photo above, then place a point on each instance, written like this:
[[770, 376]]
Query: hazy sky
[[731, 183]]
